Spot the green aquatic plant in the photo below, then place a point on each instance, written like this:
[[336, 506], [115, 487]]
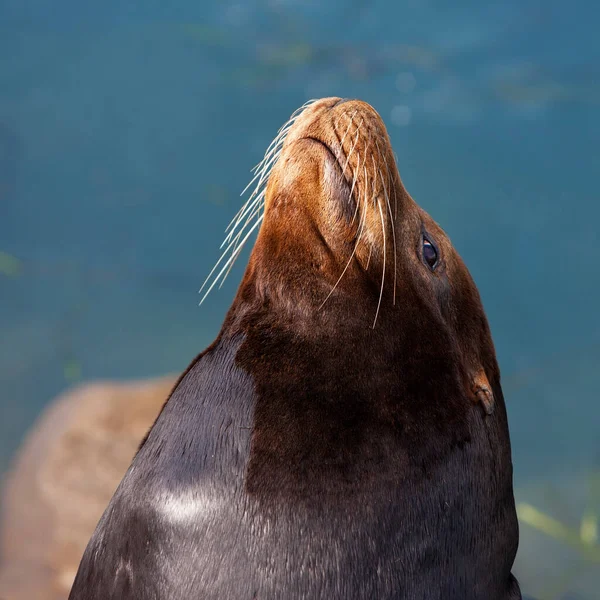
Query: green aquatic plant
[[9, 264], [286, 55], [585, 538], [72, 370]]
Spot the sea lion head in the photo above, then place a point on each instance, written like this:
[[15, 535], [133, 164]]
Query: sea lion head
[[343, 247]]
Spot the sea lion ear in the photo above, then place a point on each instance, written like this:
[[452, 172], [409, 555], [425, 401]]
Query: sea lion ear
[[481, 391]]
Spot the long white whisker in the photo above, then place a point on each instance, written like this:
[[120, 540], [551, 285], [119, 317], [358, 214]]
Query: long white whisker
[[240, 213], [384, 261], [365, 173], [264, 166], [373, 194], [369, 258], [233, 257], [389, 178], [354, 179], [240, 244], [241, 226], [351, 149], [248, 208], [337, 122], [257, 175], [278, 140], [393, 224], [223, 255], [262, 175], [251, 215], [341, 144]]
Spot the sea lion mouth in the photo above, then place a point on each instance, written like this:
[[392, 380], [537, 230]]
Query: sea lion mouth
[[321, 143], [338, 182]]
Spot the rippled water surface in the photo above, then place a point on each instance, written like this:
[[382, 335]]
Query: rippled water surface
[[127, 131]]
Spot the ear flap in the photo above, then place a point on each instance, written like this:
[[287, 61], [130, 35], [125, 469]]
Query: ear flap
[[481, 390]]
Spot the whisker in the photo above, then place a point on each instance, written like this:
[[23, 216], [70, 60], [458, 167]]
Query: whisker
[[351, 149], [241, 226], [255, 211], [365, 173], [393, 224], [340, 117], [243, 210], [231, 244], [278, 140], [248, 208], [260, 170], [389, 178], [347, 129], [234, 255], [264, 166], [369, 258], [384, 261], [273, 148], [354, 179], [374, 195]]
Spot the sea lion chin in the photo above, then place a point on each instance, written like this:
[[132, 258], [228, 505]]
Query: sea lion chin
[[345, 436]]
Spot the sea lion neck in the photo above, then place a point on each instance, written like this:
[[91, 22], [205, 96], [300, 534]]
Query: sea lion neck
[[337, 340]]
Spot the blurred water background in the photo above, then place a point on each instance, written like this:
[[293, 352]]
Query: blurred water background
[[127, 131]]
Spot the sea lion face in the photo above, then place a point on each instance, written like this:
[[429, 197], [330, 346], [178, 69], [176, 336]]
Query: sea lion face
[[344, 245]]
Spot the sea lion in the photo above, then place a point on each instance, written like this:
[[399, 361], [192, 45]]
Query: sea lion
[[345, 436]]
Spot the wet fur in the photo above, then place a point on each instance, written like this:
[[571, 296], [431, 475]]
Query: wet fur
[[307, 453]]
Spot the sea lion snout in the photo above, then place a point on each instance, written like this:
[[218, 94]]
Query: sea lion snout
[[335, 140]]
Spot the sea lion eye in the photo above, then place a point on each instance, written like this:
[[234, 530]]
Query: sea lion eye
[[430, 254]]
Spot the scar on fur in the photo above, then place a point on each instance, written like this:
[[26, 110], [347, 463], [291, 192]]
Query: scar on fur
[[482, 392]]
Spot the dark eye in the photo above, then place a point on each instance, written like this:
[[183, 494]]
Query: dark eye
[[430, 254]]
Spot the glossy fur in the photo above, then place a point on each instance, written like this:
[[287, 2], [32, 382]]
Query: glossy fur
[[326, 450]]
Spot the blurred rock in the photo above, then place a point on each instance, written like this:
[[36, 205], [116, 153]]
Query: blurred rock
[[63, 478]]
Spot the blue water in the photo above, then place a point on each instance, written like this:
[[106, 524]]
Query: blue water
[[127, 131]]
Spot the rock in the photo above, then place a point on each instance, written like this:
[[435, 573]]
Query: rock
[[62, 479]]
